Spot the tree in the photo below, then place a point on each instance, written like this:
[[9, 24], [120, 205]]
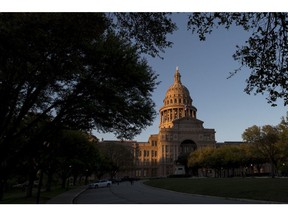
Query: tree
[[148, 30], [264, 140], [80, 70], [265, 52], [252, 156], [283, 145], [118, 157], [200, 158], [74, 155], [225, 158], [30, 151]]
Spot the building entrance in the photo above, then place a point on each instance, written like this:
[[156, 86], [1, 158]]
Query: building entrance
[[187, 146]]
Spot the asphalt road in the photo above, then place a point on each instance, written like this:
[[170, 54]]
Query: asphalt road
[[138, 193]]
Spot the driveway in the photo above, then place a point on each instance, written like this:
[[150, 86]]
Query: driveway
[[138, 193]]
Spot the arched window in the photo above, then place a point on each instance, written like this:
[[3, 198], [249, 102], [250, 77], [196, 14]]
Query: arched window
[[188, 146]]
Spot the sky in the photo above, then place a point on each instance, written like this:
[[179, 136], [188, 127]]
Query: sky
[[204, 67]]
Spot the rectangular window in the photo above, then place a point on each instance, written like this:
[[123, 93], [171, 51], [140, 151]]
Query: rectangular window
[[155, 153]]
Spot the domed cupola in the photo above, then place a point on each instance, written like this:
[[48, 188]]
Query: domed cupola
[[177, 103]]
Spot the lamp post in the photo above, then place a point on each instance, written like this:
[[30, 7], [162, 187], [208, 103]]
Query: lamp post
[[86, 176], [68, 176], [46, 146]]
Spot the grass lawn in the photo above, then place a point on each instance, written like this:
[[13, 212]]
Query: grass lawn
[[267, 189]]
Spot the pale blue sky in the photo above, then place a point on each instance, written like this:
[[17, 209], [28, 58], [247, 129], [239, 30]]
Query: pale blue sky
[[204, 67]]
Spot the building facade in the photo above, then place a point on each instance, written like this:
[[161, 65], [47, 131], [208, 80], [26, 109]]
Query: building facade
[[180, 132]]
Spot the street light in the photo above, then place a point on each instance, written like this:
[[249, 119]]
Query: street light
[[68, 176]]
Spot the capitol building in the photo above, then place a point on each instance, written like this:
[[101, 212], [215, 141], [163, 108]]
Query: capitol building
[[180, 133]]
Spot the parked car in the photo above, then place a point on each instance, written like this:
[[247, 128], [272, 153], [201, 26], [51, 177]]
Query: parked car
[[100, 183]]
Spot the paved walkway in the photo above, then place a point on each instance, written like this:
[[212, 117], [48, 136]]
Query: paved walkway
[[67, 197]]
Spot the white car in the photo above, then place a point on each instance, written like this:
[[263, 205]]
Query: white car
[[100, 183]]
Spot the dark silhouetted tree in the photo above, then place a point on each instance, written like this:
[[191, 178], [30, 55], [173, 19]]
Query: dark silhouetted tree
[[82, 70]]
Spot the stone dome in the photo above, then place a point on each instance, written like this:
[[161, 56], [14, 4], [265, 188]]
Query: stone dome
[[177, 93], [177, 103]]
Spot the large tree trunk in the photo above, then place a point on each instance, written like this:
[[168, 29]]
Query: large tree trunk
[[39, 187], [49, 180]]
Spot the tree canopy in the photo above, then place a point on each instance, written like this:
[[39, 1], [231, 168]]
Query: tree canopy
[[79, 69], [270, 142]]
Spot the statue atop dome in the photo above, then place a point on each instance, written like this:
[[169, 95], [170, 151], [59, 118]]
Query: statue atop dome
[[177, 76]]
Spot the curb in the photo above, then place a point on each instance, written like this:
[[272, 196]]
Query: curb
[[77, 195]]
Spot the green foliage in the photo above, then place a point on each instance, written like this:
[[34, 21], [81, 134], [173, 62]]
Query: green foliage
[[265, 52], [200, 157], [116, 157], [264, 140], [226, 157], [269, 143]]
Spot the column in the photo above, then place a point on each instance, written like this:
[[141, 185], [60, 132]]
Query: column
[[167, 115]]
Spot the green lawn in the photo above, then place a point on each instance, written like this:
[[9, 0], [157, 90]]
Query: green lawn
[[267, 189]]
